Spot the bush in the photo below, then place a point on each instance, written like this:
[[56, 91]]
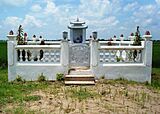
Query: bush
[[19, 79], [60, 77], [41, 78], [102, 77]]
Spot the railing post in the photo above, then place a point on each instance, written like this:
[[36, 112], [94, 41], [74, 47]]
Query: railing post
[[12, 56], [64, 53], [148, 54], [94, 53]]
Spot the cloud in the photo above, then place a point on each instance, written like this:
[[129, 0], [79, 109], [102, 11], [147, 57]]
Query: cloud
[[36, 8], [13, 2], [50, 7], [130, 6], [28, 21], [32, 21], [108, 17], [158, 2], [96, 8], [108, 21], [143, 16], [13, 21]]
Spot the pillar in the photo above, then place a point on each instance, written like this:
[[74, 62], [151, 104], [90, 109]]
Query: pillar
[[64, 53], [148, 54], [94, 53], [12, 57]]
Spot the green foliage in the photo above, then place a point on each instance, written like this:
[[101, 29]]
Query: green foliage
[[119, 59], [102, 77], [32, 98], [81, 93], [137, 40], [18, 79], [19, 110], [12, 92], [120, 80], [41, 78], [20, 35], [156, 55], [60, 77], [155, 84], [3, 54]]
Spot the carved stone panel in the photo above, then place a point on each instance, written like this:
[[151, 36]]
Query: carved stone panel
[[79, 55]]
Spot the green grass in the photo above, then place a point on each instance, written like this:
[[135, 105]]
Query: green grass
[[12, 92], [19, 110], [156, 55], [3, 53], [155, 78], [81, 93], [32, 98]]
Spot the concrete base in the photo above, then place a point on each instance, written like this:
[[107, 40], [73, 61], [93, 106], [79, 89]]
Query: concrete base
[[32, 72], [139, 73]]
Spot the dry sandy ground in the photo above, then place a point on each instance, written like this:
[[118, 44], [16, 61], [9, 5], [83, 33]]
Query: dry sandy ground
[[103, 98]]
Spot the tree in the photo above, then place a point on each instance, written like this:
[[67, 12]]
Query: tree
[[20, 35]]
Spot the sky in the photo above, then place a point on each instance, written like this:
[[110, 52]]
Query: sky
[[50, 18]]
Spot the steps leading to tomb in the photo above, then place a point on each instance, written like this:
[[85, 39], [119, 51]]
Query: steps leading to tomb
[[79, 82], [79, 76]]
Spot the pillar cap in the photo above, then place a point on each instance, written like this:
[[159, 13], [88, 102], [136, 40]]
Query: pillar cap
[[147, 37], [12, 37]]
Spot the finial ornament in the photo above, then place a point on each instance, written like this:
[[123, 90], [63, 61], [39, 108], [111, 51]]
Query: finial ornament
[[77, 19], [11, 32]]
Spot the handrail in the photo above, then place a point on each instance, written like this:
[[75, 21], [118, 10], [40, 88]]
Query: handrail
[[120, 47], [46, 42], [129, 42], [37, 46]]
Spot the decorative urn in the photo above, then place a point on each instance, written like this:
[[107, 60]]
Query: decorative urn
[[121, 37], [94, 34], [65, 35], [147, 36], [34, 38], [132, 37], [114, 38]]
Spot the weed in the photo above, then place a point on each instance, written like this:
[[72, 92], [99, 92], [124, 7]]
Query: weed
[[82, 94], [60, 77], [126, 93], [143, 98], [41, 78], [102, 77], [18, 79], [19, 110], [32, 98]]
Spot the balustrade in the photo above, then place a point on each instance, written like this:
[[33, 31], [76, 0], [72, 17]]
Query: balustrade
[[43, 54], [121, 54]]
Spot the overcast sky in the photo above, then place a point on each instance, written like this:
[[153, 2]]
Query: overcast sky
[[50, 18]]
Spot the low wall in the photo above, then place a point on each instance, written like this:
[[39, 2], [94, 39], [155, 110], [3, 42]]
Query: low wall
[[32, 72], [139, 73]]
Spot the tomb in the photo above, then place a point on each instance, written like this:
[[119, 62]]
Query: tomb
[[80, 58]]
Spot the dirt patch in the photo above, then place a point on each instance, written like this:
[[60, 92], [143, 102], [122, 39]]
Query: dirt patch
[[105, 98]]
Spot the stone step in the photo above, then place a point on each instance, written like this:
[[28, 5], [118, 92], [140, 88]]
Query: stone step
[[80, 68], [79, 78], [80, 72], [80, 82], [76, 76]]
